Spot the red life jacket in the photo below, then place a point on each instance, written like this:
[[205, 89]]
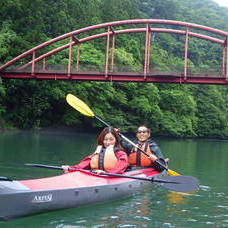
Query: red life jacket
[[138, 158]]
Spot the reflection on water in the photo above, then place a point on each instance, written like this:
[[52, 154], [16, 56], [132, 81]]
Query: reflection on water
[[154, 207], [176, 197]]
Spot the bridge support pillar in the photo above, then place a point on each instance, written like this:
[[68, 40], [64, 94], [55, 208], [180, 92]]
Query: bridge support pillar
[[77, 58], [226, 58], [107, 52], [33, 62], [70, 57], [44, 64], [113, 52], [147, 51], [186, 55]]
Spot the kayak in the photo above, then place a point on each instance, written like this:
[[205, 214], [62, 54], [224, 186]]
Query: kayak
[[70, 190]]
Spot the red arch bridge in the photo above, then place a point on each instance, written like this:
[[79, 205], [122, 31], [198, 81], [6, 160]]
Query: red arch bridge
[[35, 63]]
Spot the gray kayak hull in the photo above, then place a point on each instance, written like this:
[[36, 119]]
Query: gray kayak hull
[[18, 200]]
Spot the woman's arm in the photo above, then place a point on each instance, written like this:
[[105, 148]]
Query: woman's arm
[[84, 164]]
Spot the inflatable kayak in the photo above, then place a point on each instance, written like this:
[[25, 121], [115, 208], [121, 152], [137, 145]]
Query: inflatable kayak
[[26, 197], [70, 190]]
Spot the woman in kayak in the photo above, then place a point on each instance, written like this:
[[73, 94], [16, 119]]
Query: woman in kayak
[[108, 156], [136, 157]]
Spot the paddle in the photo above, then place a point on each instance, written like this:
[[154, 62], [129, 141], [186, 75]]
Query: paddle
[[5, 179], [83, 108], [43, 166], [173, 183]]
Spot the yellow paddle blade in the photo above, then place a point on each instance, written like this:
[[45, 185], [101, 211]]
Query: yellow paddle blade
[[79, 105], [173, 173]]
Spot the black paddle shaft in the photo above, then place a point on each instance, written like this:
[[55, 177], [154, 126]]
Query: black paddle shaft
[[48, 166], [43, 166], [173, 183]]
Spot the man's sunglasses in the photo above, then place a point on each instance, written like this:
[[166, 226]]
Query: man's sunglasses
[[144, 132]]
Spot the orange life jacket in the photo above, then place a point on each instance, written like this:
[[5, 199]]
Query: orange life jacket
[[137, 158], [103, 158]]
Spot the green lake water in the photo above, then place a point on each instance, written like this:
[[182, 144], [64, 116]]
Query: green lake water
[[155, 207]]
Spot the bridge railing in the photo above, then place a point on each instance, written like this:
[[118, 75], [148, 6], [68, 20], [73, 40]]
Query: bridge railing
[[86, 68]]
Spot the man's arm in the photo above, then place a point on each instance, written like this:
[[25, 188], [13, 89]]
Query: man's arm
[[156, 150]]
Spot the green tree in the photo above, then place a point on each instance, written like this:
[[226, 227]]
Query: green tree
[[179, 109], [212, 112], [7, 37]]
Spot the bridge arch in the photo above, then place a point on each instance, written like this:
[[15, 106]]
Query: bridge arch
[[111, 32]]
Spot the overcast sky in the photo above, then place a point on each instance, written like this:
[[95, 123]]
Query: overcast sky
[[222, 2]]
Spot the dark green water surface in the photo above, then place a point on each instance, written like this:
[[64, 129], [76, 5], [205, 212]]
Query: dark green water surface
[[156, 207]]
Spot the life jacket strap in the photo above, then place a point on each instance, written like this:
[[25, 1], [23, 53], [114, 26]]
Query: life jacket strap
[[101, 159]]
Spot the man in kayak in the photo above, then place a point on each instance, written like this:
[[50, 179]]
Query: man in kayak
[[151, 158], [109, 156]]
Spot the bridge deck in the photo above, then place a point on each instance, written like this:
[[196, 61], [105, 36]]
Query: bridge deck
[[155, 77]]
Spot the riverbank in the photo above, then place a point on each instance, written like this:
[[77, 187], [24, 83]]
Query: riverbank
[[73, 130]]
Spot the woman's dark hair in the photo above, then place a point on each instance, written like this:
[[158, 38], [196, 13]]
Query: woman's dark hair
[[105, 131]]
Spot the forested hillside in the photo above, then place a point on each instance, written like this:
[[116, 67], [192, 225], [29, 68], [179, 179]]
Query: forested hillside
[[171, 110]]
